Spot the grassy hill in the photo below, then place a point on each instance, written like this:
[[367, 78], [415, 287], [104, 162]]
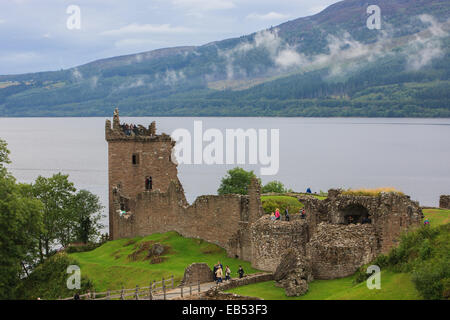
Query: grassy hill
[[123, 262], [329, 64]]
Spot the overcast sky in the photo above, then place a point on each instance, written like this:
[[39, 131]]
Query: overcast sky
[[35, 37]]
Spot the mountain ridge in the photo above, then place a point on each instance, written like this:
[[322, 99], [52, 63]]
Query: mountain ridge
[[331, 54]]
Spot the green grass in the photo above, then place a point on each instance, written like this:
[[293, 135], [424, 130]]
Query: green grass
[[437, 217], [109, 266], [394, 286], [271, 203]]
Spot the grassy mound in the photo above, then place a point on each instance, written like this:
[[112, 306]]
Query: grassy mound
[[127, 262], [394, 286], [271, 203], [437, 217], [49, 280]]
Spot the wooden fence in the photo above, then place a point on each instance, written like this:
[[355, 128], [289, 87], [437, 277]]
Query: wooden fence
[[156, 290]]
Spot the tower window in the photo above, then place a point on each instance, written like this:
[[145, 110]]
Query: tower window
[[148, 183], [135, 159]]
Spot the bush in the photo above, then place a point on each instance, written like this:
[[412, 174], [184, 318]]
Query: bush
[[49, 280], [274, 186], [82, 248], [371, 192], [432, 279], [425, 253], [362, 275]]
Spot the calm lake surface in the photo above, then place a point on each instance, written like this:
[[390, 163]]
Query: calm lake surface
[[412, 155]]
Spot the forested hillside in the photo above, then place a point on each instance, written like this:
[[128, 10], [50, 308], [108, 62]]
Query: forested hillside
[[329, 64]]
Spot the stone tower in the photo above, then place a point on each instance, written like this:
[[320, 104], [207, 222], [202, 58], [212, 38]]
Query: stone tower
[[139, 161]]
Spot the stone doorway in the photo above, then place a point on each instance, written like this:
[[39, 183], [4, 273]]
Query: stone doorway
[[354, 213]]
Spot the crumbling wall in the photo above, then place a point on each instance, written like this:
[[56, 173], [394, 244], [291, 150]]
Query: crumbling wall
[[389, 213], [216, 219], [444, 202], [339, 250], [197, 273], [270, 239], [240, 244]]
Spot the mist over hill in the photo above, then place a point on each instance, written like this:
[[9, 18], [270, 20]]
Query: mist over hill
[[329, 64]]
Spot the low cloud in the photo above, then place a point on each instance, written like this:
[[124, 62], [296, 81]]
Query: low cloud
[[93, 82], [289, 57], [171, 77], [135, 42], [427, 46], [77, 75], [135, 28], [204, 5], [345, 54], [268, 16]]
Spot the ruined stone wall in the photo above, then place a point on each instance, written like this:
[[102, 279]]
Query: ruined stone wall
[[240, 244], [197, 273], [216, 219], [390, 214], [444, 202], [339, 250], [270, 239]]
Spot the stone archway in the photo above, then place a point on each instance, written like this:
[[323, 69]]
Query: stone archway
[[354, 213]]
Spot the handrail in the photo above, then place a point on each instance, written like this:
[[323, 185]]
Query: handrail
[[148, 291]]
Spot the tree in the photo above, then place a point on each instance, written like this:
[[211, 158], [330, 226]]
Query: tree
[[56, 195], [68, 216], [87, 208], [274, 186], [20, 223], [4, 154], [236, 181]]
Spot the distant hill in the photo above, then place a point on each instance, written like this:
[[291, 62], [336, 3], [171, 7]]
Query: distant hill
[[329, 64]]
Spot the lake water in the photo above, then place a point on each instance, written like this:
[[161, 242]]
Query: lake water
[[412, 155]]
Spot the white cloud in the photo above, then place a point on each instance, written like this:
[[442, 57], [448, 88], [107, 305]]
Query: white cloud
[[2, 21], [135, 28], [77, 74], [133, 42], [289, 58], [23, 57], [425, 48], [268, 16], [205, 5]]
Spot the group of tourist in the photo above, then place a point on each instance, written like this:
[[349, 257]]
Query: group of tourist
[[277, 216], [218, 272], [129, 128]]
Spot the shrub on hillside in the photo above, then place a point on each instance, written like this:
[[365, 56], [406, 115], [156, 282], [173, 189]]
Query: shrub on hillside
[[82, 248], [432, 278], [49, 280], [275, 187], [425, 253]]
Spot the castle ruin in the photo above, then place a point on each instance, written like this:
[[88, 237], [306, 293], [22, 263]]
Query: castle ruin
[[340, 233]]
